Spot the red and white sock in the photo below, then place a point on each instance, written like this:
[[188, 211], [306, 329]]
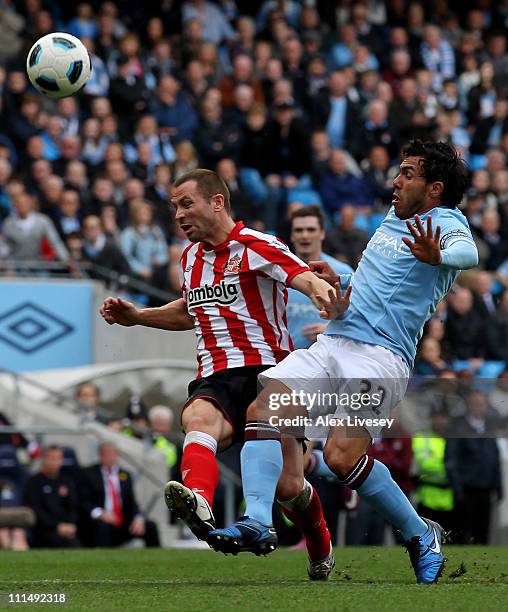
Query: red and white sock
[[306, 512], [199, 468]]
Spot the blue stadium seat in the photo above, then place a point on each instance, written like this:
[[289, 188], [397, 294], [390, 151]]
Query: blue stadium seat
[[307, 197], [254, 184], [491, 369], [461, 364], [12, 476]]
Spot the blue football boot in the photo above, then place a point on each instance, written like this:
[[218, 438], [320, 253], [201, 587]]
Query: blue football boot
[[246, 535], [426, 554]]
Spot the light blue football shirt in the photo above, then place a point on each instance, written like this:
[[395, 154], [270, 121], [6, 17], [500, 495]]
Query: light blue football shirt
[[393, 293], [300, 309]]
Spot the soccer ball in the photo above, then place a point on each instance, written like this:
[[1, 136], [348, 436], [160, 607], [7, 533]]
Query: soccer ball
[[58, 65]]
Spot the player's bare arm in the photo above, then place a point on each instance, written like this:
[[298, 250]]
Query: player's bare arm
[[326, 298], [172, 316], [426, 243]]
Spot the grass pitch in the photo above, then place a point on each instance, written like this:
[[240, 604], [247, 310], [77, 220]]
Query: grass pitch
[[194, 580]]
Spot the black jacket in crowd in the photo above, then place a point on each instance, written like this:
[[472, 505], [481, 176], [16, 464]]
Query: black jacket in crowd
[[54, 501]]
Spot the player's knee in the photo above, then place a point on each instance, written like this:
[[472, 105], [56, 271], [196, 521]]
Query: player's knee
[[289, 487], [200, 416], [255, 412], [339, 460]]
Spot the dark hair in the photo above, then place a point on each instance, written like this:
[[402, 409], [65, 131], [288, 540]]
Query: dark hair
[[50, 448], [441, 162], [208, 183], [309, 211]]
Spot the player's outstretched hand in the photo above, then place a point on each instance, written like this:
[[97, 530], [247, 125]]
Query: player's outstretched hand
[[337, 303], [323, 270], [116, 310], [426, 244]]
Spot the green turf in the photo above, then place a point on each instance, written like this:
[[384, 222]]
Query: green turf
[[365, 579]]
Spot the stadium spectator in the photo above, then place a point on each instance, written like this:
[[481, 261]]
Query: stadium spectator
[[332, 109], [464, 328], [242, 205], [173, 112], [109, 512], [429, 361], [242, 74], [88, 398], [488, 132], [498, 397], [473, 468], [338, 186], [254, 150], [216, 137], [484, 300], [434, 494], [215, 26], [101, 251], [406, 114], [160, 420], [146, 133], [29, 234], [55, 503], [482, 97], [497, 331], [345, 241], [379, 174], [144, 246], [67, 215], [127, 90], [437, 56]]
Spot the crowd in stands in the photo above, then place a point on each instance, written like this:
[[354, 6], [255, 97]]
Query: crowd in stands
[[76, 505], [293, 104]]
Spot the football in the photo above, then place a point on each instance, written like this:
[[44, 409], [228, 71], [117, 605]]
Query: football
[[58, 65]]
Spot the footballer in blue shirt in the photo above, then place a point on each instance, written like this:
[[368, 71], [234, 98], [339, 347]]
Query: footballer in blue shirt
[[307, 236], [408, 266]]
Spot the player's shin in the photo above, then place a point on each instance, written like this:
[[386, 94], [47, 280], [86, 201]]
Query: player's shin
[[199, 467], [375, 485], [306, 512], [261, 461]]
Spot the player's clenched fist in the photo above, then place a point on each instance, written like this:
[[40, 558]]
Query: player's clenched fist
[[116, 310]]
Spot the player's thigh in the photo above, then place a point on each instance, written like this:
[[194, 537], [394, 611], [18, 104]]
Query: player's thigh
[[291, 479], [286, 387], [370, 382], [200, 414]]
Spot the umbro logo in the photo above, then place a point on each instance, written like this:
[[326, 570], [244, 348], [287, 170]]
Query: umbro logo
[[189, 268]]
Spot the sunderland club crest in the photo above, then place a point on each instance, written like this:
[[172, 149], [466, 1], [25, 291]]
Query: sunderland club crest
[[234, 265]]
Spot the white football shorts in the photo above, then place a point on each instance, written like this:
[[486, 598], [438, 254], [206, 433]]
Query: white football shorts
[[342, 382]]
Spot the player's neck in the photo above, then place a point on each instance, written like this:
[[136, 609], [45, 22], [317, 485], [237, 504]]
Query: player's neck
[[427, 206], [220, 233], [314, 256]]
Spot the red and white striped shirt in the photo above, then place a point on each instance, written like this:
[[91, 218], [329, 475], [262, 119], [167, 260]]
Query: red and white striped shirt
[[236, 293]]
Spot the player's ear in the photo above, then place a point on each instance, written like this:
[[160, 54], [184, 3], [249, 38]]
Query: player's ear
[[436, 189], [218, 201]]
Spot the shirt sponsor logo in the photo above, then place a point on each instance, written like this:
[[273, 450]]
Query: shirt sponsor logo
[[387, 245], [223, 293]]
